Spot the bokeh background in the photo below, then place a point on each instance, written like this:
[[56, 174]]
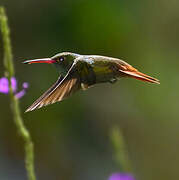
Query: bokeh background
[[72, 138]]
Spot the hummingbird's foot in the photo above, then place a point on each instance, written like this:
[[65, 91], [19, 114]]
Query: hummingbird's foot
[[84, 86], [112, 81]]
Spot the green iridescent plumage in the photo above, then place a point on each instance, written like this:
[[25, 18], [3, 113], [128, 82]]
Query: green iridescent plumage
[[81, 72]]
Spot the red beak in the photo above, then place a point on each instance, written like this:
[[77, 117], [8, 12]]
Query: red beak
[[43, 60]]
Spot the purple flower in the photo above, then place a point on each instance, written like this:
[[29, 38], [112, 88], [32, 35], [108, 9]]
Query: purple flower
[[14, 84], [4, 87], [121, 176], [25, 85], [20, 94]]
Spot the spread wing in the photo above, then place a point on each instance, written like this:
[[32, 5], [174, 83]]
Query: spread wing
[[63, 87]]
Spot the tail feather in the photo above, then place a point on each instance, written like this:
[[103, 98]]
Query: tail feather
[[134, 73]]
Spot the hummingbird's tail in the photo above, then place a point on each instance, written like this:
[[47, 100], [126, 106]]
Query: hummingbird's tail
[[134, 73]]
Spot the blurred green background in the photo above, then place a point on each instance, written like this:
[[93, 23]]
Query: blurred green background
[[72, 138]]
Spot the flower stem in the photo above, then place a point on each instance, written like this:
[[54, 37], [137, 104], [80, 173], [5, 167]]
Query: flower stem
[[9, 73], [120, 152]]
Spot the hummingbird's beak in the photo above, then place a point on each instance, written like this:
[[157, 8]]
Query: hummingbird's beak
[[43, 60]]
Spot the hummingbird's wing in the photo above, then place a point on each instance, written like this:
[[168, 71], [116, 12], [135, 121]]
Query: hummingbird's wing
[[63, 87]]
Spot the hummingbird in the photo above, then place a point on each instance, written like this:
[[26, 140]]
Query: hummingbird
[[81, 72]]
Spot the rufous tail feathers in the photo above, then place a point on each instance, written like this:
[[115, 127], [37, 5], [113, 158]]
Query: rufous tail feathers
[[134, 73]]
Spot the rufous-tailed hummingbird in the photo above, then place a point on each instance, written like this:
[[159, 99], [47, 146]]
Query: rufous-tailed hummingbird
[[81, 72]]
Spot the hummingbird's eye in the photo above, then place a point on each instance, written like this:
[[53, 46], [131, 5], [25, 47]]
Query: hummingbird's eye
[[61, 59]]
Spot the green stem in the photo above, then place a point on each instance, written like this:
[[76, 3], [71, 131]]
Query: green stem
[[9, 73], [120, 151]]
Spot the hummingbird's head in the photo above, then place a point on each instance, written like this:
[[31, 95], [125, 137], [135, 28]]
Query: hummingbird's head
[[64, 58], [62, 61]]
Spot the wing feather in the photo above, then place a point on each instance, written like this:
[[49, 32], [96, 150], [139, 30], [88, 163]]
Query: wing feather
[[63, 88], [68, 87]]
